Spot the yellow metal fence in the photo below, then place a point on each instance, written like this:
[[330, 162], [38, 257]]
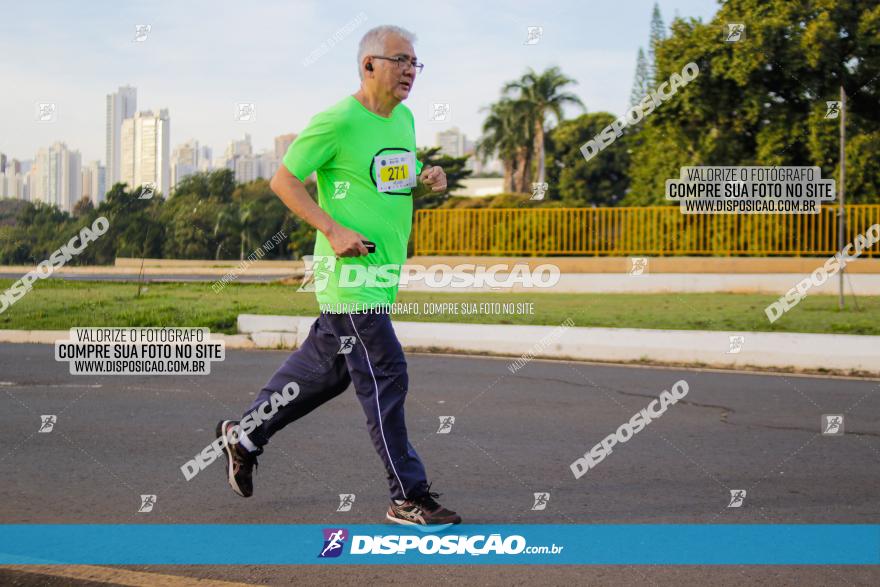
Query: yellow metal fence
[[653, 230]]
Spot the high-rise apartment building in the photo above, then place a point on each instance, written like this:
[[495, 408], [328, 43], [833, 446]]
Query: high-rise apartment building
[[205, 158], [121, 104], [145, 158], [282, 142], [452, 142], [184, 161], [94, 183], [57, 177]]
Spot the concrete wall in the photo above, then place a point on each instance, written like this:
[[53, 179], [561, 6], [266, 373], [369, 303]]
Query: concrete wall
[[574, 264]]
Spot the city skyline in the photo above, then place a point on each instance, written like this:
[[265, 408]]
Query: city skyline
[[122, 106], [200, 64], [138, 149]]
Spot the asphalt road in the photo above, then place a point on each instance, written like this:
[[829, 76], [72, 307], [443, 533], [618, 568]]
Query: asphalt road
[[119, 437]]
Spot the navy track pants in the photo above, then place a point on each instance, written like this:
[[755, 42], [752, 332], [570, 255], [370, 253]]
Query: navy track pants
[[343, 348]]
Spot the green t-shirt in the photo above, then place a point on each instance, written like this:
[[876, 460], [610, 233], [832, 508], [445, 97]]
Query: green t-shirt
[[340, 145]]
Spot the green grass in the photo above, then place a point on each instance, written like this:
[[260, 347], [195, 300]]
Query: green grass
[[55, 304]]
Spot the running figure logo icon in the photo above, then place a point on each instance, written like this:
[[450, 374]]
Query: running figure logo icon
[[141, 31], [347, 344], [446, 423], [735, 32], [46, 112], [245, 112], [737, 497], [833, 109], [533, 35], [541, 500], [334, 540], [639, 265], [736, 344], [47, 423], [340, 189], [538, 190], [832, 424], [147, 191], [440, 111], [147, 503], [317, 272], [346, 500]]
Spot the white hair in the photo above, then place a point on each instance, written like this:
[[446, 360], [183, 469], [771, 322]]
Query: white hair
[[373, 42]]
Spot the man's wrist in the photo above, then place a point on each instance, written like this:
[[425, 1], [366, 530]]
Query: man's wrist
[[327, 226]]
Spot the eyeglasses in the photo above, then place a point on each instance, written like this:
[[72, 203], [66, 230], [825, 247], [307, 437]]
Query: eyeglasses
[[402, 62]]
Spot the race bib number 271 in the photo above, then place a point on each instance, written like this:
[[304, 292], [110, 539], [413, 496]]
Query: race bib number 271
[[395, 172]]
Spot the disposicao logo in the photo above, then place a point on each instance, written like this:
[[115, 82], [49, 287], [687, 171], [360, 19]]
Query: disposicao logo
[[334, 540]]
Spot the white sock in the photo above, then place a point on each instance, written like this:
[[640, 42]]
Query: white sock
[[246, 442], [398, 501]]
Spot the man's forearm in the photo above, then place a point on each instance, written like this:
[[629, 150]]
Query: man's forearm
[[293, 193]]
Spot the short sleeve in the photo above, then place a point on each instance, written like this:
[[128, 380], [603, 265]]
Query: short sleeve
[[313, 148]]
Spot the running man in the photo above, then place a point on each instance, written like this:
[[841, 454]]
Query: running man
[[365, 143]]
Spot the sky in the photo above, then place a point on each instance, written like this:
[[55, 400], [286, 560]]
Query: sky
[[201, 58]]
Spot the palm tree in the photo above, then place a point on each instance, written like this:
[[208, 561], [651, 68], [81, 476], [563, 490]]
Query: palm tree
[[247, 215], [227, 223], [542, 93], [506, 129]]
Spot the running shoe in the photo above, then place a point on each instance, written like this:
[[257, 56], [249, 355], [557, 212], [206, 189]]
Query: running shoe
[[422, 511], [240, 462]]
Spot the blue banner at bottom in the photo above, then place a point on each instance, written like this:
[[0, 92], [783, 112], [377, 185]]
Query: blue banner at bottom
[[273, 544]]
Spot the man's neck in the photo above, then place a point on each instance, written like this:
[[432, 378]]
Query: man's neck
[[377, 104]]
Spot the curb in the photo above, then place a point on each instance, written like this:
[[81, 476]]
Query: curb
[[795, 351], [788, 351]]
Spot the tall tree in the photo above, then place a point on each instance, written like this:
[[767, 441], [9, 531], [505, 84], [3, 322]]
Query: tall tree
[[507, 132], [762, 100], [641, 82], [545, 99], [658, 33], [601, 181]]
